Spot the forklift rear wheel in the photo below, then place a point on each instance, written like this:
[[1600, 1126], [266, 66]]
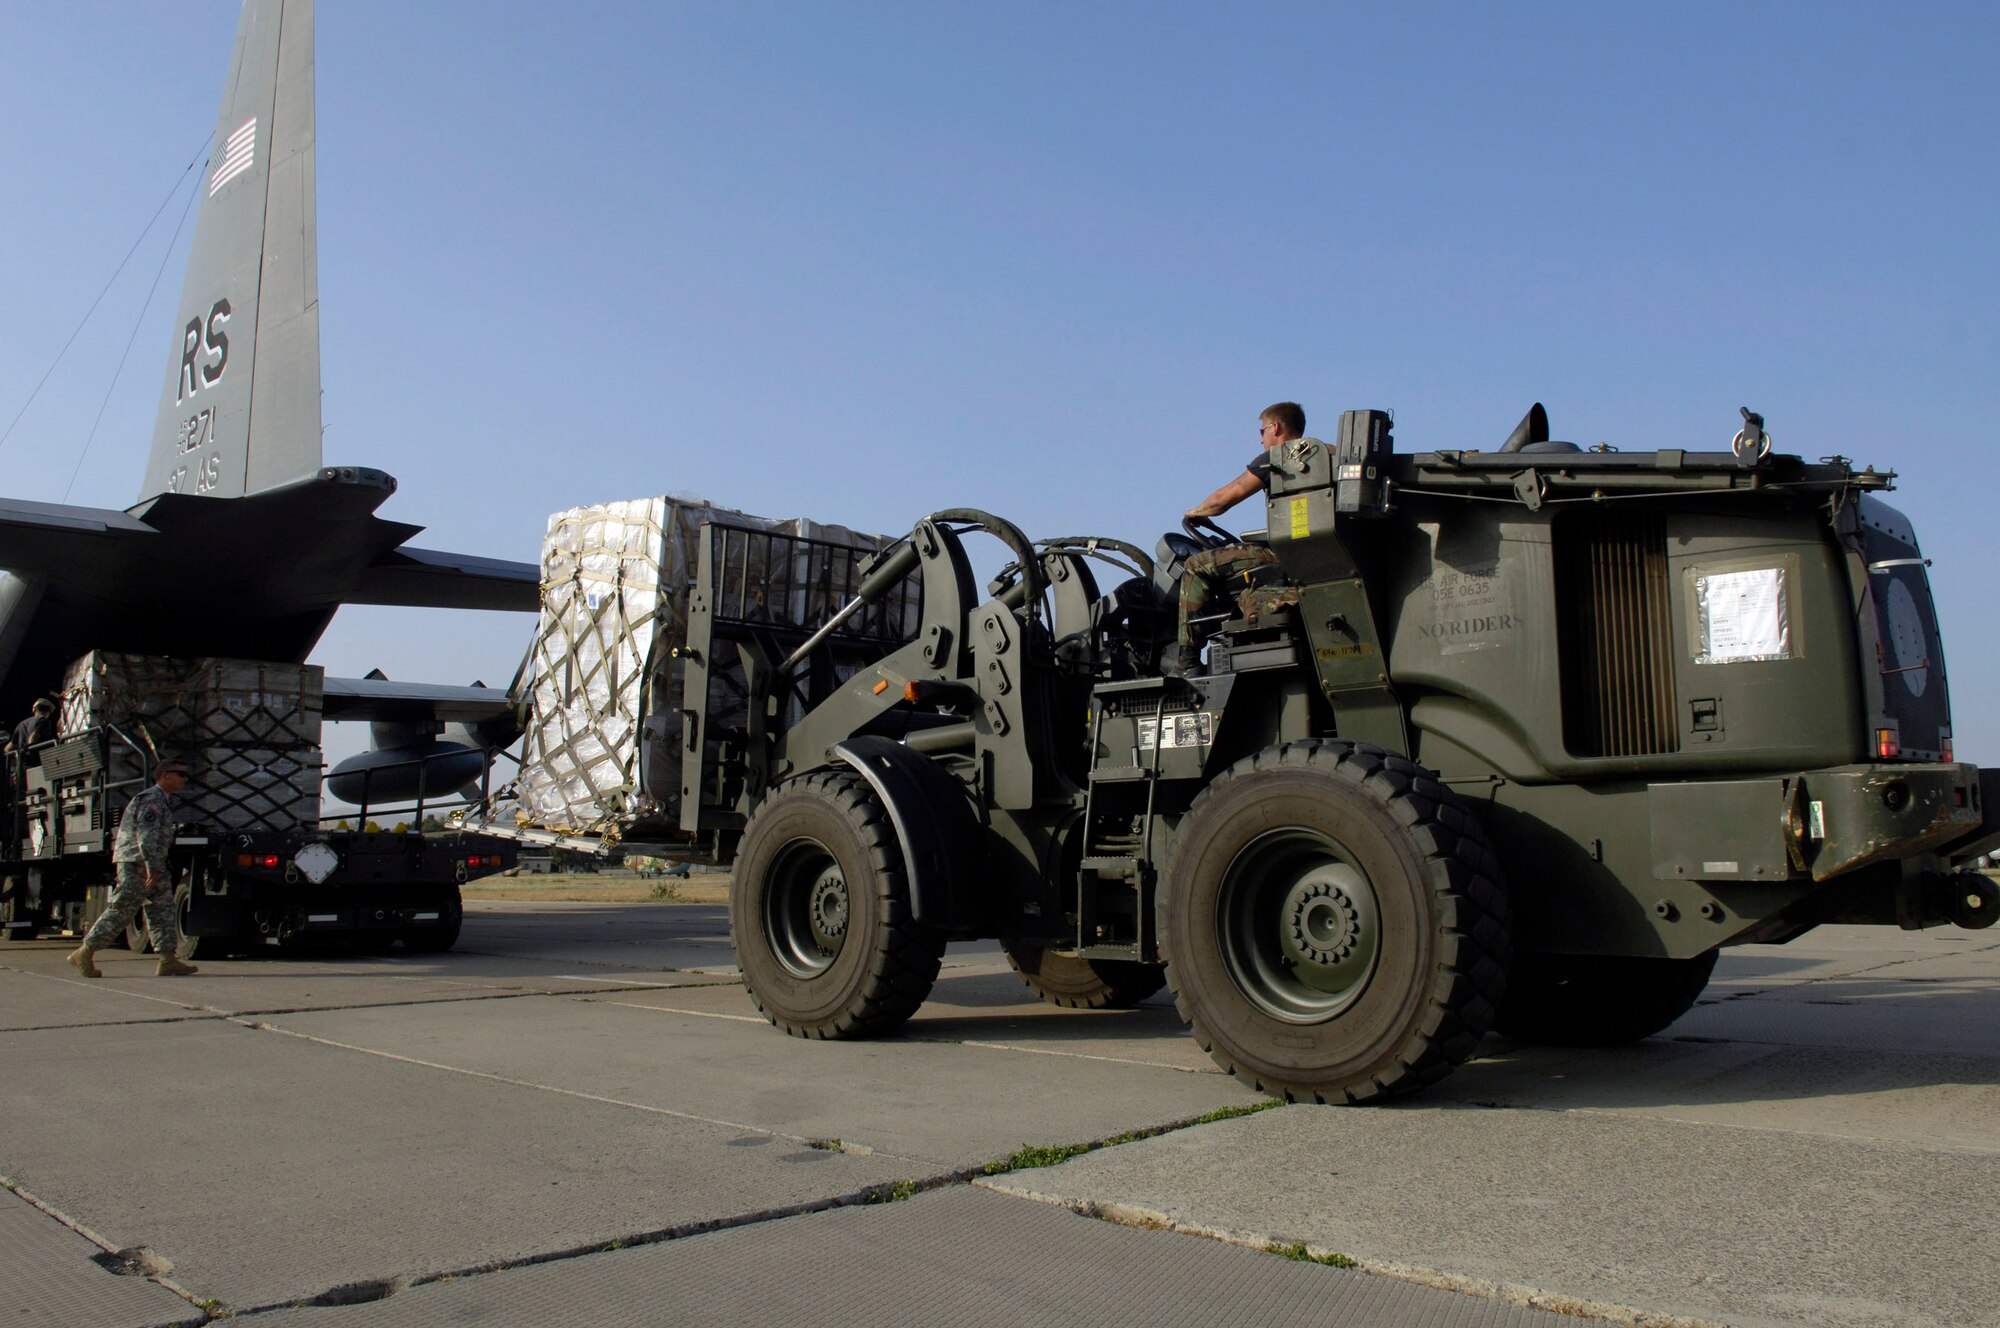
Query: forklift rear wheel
[[138, 936], [1598, 1000], [1083, 984], [1333, 923], [819, 912]]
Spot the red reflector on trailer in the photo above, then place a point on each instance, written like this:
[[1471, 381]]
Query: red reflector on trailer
[[270, 859], [1886, 745]]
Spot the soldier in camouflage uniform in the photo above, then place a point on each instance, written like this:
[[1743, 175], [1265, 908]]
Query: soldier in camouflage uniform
[[145, 836], [1212, 572]]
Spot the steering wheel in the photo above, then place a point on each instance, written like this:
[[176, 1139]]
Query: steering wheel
[[1203, 531]]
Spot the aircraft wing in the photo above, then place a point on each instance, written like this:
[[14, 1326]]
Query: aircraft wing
[[383, 699], [426, 578]]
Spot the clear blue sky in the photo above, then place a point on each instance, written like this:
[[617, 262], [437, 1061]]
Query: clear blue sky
[[859, 262]]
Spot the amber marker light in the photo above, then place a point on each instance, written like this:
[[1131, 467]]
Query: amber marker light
[[883, 686]]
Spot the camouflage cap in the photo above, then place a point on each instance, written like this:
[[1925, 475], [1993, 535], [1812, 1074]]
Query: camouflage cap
[[181, 768]]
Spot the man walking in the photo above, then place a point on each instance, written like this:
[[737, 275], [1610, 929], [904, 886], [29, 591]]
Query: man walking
[[145, 836]]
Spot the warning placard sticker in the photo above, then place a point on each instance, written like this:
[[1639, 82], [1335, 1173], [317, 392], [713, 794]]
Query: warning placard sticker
[[1195, 730], [1743, 616]]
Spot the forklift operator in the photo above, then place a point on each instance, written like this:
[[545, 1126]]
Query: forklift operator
[[1206, 574]]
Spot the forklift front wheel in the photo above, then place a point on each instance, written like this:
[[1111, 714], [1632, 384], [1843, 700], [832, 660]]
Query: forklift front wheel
[[819, 912]]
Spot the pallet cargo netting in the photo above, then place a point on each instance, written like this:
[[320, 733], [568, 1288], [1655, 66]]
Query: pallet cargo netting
[[250, 729], [604, 753]]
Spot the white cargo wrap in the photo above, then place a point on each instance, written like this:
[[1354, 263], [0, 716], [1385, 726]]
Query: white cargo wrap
[[250, 730], [603, 749]]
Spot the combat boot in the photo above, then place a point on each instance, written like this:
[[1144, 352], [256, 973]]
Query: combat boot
[[80, 958], [172, 967], [1181, 662]]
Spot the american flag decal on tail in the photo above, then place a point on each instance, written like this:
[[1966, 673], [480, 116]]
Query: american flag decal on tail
[[239, 154]]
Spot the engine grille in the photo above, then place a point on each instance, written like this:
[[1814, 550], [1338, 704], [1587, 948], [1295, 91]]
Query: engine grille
[[1613, 616]]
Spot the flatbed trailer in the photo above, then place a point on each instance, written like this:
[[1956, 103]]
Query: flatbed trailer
[[234, 888]]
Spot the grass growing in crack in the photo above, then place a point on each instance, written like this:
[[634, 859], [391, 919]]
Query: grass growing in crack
[[824, 1145], [209, 1306], [1298, 1253], [1242, 1109], [1029, 1156], [894, 1192]]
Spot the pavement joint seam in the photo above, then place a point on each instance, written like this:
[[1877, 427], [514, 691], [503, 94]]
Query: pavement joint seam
[[894, 1191], [1510, 1293], [365, 1290], [1074, 1055], [129, 1256], [672, 1009], [261, 1027], [191, 1018]]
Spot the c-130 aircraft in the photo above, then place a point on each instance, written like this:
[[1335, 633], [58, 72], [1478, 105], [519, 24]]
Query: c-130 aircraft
[[244, 542]]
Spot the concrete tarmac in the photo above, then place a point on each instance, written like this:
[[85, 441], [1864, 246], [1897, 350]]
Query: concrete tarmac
[[578, 1117]]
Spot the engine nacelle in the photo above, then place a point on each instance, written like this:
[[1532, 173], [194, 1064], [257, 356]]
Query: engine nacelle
[[400, 773]]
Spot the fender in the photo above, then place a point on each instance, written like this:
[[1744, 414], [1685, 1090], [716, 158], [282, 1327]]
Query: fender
[[934, 826]]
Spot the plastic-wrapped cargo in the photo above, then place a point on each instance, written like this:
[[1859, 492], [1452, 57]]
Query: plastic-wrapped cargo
[[249, 728], [603, 751]]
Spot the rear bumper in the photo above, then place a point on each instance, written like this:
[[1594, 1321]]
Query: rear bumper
[[1820, 824]]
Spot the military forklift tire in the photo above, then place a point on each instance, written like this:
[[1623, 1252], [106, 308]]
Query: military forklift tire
[[1598, 1000], [1334, 924], [1083, 984], [819, 912]]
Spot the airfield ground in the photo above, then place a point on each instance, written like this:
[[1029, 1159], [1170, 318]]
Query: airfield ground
[[578, 1117]]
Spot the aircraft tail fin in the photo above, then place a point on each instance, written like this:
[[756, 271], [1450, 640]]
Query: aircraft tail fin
[[239, 413]]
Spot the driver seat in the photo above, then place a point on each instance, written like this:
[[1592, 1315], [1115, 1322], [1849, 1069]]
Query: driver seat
[[1262, 603]]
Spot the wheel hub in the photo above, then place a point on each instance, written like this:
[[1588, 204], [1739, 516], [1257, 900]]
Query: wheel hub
[[1300, 926], [1321, 923], [829, 909]]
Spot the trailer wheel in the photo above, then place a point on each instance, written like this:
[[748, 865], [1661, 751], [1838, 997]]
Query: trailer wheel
[[436, 940], [819, 912], [1333, 922], [1598, 1000], [209, 947], [1083, 984], [190, 944]]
